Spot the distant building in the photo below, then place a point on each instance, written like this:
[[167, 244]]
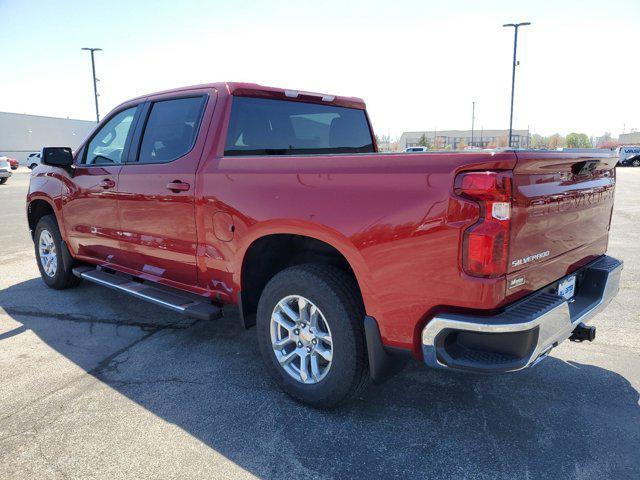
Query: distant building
[[462, 138], [22, 134], [629, 138]]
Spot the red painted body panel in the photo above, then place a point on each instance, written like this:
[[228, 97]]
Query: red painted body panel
[[158, 227], [46, 185], [557, 212], [394, 217], [90, 212]]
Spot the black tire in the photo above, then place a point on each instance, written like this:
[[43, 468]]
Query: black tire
[[63, 277], [32, 166], [636, 162], [336, 294], [3, 180]]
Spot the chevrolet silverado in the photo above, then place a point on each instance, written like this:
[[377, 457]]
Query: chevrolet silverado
[[348, 261]]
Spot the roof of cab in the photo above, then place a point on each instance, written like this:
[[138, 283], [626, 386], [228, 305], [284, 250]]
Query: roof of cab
[[255, 90]]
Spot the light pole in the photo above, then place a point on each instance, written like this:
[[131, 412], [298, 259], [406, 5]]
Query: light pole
[[95, 86], [515, 26], [473, 119]]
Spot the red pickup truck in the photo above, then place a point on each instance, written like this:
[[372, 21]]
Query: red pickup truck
[[348, 261]]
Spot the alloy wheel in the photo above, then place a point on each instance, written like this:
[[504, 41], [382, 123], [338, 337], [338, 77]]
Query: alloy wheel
[[301, 339], [47, 253]]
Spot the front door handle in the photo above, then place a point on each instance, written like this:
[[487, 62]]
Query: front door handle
[[178, 186], [107, 183]]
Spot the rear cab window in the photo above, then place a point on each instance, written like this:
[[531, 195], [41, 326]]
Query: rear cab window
[[259, 126]]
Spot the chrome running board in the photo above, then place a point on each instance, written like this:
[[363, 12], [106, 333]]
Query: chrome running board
[[169, 298]]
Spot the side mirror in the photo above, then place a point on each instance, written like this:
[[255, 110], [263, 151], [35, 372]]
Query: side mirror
[[57, 156]]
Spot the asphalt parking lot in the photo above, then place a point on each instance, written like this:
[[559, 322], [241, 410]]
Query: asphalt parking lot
[[94, 384]]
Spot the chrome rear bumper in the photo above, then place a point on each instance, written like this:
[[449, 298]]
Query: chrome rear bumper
[[526, 331]]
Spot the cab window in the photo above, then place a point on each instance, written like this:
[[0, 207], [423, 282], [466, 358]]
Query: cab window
[[171, 129], [260, 126], [107, 146]]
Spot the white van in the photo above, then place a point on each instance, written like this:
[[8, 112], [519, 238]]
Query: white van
[[33, 160], [629, 155], [416, 149]]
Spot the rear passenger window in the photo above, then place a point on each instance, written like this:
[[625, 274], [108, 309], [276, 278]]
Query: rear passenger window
[[171, 129]]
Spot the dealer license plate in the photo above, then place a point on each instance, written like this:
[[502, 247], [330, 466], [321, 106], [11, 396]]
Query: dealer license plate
[[567, 287]]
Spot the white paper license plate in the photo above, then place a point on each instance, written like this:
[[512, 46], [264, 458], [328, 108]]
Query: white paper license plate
[[567, 287]]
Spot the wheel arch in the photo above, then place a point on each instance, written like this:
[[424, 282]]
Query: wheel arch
[[37, 208], [272, 250]]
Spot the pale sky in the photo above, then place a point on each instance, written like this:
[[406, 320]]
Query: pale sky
[[417, 64]]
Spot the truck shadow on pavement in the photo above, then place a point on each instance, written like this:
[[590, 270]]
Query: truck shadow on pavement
[[558, 420]]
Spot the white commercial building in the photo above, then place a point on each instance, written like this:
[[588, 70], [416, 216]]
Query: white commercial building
[[464, 138], [632, 138], [22, 134]]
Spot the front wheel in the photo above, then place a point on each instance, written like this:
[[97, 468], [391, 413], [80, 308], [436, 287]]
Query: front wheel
[[311, 336], [3, 180], [55, 272], [636, 162]]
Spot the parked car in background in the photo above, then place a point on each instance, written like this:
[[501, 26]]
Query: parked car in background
[[416, 149], [33, 160], [13, 163], [5, 170], [629, 155], [348, 261]]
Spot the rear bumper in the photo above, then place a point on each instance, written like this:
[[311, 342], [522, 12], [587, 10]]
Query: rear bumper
[[526, 331]]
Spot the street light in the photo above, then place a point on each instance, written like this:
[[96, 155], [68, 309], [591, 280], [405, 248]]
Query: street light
[[513, 73], [473, 119], [95, 87]]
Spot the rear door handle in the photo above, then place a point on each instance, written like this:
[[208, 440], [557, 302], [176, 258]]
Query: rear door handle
[[178, 186], [107, 183]]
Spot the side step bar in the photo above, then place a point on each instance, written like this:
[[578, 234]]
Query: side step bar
[[173, 300]]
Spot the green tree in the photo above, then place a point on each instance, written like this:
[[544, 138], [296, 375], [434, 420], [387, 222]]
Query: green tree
[[606, 141], [578, 140], [423, 142], [556, 141], [538, 141]]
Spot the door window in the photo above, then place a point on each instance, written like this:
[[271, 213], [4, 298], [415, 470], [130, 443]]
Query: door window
[[107, 146], [171, 129]]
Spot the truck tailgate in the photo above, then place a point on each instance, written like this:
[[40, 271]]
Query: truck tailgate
[[562, 204]]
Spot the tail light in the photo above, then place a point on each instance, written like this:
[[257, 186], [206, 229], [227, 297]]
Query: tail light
[[485, 246]]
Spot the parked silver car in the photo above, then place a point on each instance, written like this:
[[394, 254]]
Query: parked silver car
[[5, 170]]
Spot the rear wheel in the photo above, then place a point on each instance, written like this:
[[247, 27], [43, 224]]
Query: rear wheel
[[310, 332], [54, 270], [636, 162], [3, 180]]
